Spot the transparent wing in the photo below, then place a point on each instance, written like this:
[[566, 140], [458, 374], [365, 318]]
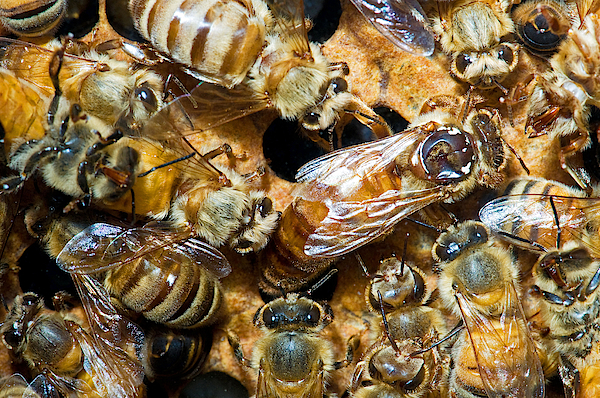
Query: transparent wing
[[403, 22], [289, 17], [15, 385], [114, 373], [338, 174], [585, 7], [104, 246], [506, 356], [31, 62], [349, 225], [531, 218], [50, 385]]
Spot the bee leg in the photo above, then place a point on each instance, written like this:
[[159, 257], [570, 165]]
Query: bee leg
[[63, 301], [353, 343], [566, 154], [223, 149], [259, 172], [357, 376], [570, 377], [234, 342]]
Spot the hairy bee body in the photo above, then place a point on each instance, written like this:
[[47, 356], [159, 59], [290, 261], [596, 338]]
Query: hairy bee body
[[220, 38], [32, 18]]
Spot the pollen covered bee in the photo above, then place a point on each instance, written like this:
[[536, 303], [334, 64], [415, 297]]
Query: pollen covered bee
[[369, 188], [258, 58], [291, 358], [495, 353], [165, 275], [473, 34], [403, 361], [561, 101], [57, 346]]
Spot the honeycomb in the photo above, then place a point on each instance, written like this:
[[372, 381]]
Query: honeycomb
[[384, 77]]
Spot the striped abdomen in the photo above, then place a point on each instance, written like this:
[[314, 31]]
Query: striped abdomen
[[179, 295], [219, 39]]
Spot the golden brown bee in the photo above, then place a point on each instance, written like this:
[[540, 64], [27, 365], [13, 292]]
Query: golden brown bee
[[540, 215], [369, 188], [165, 275], [473, 33], [258, 57], [404, 23], [58, 347], [561, 101], [174, 353], [399, 363], [117, 92], [495, 353], [291, 358], [543, 25], [32, 18]]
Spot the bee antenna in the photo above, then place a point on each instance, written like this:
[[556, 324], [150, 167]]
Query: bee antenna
[[467, 105], [453, 332], [523, 240], [385, 322], [421, 223], [321, 281], [558, 229], [521, 161], [362, 265], [404, 254], [133, 218]]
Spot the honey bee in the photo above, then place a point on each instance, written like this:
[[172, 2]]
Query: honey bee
[[291, 358], [473, 34], [404, 23], [368, 188], [165, 275], [58, 346], [495, 353], [257, 58], [398, 363], [174, 353], [562, 98], [119, 93], [543, 25]]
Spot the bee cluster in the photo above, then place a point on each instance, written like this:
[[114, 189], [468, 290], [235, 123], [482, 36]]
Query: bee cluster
[[209, 184]]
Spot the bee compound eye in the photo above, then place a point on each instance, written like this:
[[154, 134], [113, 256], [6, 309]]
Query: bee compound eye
[[447, 252], [147, 97], [446, 156], [265, 207], [339, 85], [462, 62], [269, 318], [506, 54], [478, 235], [312, 118], [313, 316]]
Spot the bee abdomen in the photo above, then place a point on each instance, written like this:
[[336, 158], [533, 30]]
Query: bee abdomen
[[179, 297], [221, 39]]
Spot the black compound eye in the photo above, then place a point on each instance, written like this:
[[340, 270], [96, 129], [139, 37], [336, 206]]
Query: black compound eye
[[12, 338], [339, 85], [269, 318], [312, 118], [29, 299], [478, 235], [313, 316], [416, 381], [505, 53], [265, 207], [447, 252], [146, 95], [446, 156], [462, 62]]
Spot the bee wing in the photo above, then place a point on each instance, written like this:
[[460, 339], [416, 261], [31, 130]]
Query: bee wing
[[114, 373], [289, 16], [50, 385], [349, 225], [16, 384], [31, 62], [104, 246], [506, 355], [585, 7], [403, 22], [530, 216]]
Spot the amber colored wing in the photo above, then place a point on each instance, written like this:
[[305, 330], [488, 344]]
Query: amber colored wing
[[531, 218], [104, 246], [24, 108], [506, 355], [31, 62], [403, 22], [349, 225]]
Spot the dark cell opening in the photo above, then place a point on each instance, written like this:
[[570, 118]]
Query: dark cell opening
[[80, 19], [325, 16]]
